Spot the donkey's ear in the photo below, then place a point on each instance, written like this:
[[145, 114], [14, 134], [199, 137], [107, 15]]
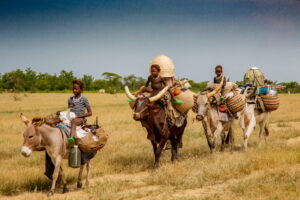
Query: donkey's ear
[[24, 119]]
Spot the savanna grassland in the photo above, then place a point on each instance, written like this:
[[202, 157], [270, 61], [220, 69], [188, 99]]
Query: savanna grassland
[[123, 170]]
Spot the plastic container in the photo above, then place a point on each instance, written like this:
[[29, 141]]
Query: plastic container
[[75, 157]]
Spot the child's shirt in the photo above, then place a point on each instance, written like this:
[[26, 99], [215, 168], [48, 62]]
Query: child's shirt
[[79, 105]]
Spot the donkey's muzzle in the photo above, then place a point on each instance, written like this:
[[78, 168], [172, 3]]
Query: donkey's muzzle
[[25, 151]]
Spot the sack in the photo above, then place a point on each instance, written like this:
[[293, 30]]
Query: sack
[[235, 103], [92, 142], [271, 103], [254, 76]]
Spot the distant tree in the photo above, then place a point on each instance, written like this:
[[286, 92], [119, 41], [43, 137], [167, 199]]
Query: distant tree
[[198, 86], [88, 81], [29, 79], [13, 80], [114, 81], [134, 82], [65, 79], [99, 84]]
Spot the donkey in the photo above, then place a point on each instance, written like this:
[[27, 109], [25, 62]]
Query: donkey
[[39, 136]]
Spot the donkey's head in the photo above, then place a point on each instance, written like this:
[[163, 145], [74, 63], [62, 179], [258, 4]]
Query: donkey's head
[[142, 103], [32, 136], [203, 101]]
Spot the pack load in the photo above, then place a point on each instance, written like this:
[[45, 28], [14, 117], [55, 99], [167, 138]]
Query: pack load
[[89, 138], [92, 141], [254, 76], [183, 97], [235, 103], [271, 103], [166, 66], [267, 90]]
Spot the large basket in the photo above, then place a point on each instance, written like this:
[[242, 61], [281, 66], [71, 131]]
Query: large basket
[[166, 65], [187, 98], [92, 142], [236, 103], [271, 103]]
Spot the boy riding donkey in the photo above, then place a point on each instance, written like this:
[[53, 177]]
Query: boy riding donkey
[[77, 104]]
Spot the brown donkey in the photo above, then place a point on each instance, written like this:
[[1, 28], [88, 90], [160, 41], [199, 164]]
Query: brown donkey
[[39, 137]]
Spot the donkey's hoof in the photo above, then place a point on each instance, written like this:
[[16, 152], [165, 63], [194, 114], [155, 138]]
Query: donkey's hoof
[[79, 185], [65, 190], [50, 194]]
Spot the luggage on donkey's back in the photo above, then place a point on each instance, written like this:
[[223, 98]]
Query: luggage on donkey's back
[[184, 99], [235, 103], [92, 142], [271, 102], [254, 76]]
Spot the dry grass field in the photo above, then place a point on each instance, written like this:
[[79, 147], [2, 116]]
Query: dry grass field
[[123, 170]]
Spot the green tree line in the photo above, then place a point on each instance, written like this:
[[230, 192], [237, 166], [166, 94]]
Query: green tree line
[[29, 80]]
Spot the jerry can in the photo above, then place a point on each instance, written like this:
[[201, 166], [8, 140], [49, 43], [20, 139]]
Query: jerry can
[[75, 157]]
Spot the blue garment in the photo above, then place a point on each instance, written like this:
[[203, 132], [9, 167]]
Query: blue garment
[[79, 105], [65, 129], [266, 90]]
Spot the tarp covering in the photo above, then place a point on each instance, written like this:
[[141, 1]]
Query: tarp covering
[[254, 76]]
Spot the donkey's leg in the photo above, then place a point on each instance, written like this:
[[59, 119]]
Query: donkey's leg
[[88, 171], [63, 178], [57, 164], [79, 183]]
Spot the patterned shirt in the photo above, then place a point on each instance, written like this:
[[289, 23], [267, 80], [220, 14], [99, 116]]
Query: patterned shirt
[[79, 105]]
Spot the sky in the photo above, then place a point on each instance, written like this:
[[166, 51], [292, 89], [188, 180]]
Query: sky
[[95, 36]]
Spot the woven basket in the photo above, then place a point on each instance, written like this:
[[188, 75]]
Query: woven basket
[[271, 103], [166, 65], [187, 97], [236, 103], [92, 143]]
